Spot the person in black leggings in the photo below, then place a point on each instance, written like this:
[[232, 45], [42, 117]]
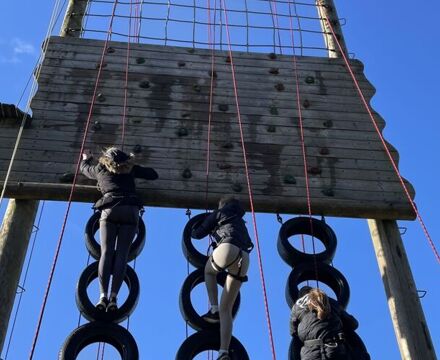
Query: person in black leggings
[[115, 174]]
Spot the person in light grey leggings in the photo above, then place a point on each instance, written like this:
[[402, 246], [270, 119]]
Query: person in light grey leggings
[[231, 254]]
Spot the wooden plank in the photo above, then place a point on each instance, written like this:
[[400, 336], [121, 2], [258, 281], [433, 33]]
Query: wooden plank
[[349, 172]]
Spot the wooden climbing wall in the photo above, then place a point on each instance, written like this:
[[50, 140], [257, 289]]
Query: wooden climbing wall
[[167, 126]]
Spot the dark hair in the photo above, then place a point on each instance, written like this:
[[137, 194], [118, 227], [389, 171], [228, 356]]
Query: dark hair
[[226, 200]]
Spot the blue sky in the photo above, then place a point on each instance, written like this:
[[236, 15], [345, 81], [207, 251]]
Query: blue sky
[[398, 45]]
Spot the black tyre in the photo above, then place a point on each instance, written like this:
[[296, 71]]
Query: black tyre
[[94, 247], [195, 258], [301, 225], [209, 340], [96, 332], [87, 308], [187, 309], [326, 274]]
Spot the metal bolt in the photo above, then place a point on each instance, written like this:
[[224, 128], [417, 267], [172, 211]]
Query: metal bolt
[[310, 80], [279, 87], [110, 50], [182, 132], [223, 107], [140, 60], [186, 173], [144, 84], [237, 187], [274, 71], [289, 179]]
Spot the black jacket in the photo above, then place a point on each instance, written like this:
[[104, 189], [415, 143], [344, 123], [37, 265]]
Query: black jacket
[[226, 225], [305, 325], [116, 188]]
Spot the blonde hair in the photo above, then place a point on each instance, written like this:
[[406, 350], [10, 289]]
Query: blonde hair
[[319, 303], [117, 167]]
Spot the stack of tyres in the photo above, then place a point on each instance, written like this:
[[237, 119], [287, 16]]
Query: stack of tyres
[[311, 267], [103, 326], [207, 336]]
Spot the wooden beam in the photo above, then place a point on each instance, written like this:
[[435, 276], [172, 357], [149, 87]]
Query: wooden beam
[[409, 322], [73, 19]]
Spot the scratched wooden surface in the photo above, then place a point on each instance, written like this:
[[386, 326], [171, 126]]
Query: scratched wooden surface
[[167, 124]]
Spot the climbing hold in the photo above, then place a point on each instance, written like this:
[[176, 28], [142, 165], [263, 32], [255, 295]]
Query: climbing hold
[[227, 145], [212, 73], [273, 110], [310, 79], [224, 166], [96, 126], [110, 50], [144, 84], [280, 87], [314, 170], [182, 132], [187, 174], [228, 59], [197, 88], [186, 115], [66, 177], [328, 123], [140, 60], [98, 65], [274, 71], [324, 151], [100, 97], [191, 51], [223, 107], [271, 128], [289, 179], [272, 56], [181, 63], [237, 187], [306, 104], [137, 149], [328, 192]]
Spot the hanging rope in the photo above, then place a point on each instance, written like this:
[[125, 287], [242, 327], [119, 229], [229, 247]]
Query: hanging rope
[[387, 150], [254, 220], [58, 247]]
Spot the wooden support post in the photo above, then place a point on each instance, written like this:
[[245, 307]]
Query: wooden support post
[[14, 239], [327, 10], [73, 19], [406, 311]]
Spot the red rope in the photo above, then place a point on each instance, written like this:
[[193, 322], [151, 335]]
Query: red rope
[[387, 150], [69, 203], [254, 220], [303, 145]]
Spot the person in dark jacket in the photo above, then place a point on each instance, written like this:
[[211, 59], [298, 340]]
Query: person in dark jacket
[[354, 346], [317, 324], [115, 174], [231, 254]]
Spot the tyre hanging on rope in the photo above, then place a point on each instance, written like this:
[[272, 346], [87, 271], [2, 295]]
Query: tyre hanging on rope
[[195, 258], [94, 247], [306, 226], [323, 273], [187, 309], [88, 309], [209, 340], [96, 332]]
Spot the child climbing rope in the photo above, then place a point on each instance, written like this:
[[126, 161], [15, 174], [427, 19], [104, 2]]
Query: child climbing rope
[[231, 254], [323, 330], [115, 174]]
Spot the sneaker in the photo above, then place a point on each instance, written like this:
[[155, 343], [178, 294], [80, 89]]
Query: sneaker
[[211, 317], [224, 356], [112, 305], [102, 304]]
